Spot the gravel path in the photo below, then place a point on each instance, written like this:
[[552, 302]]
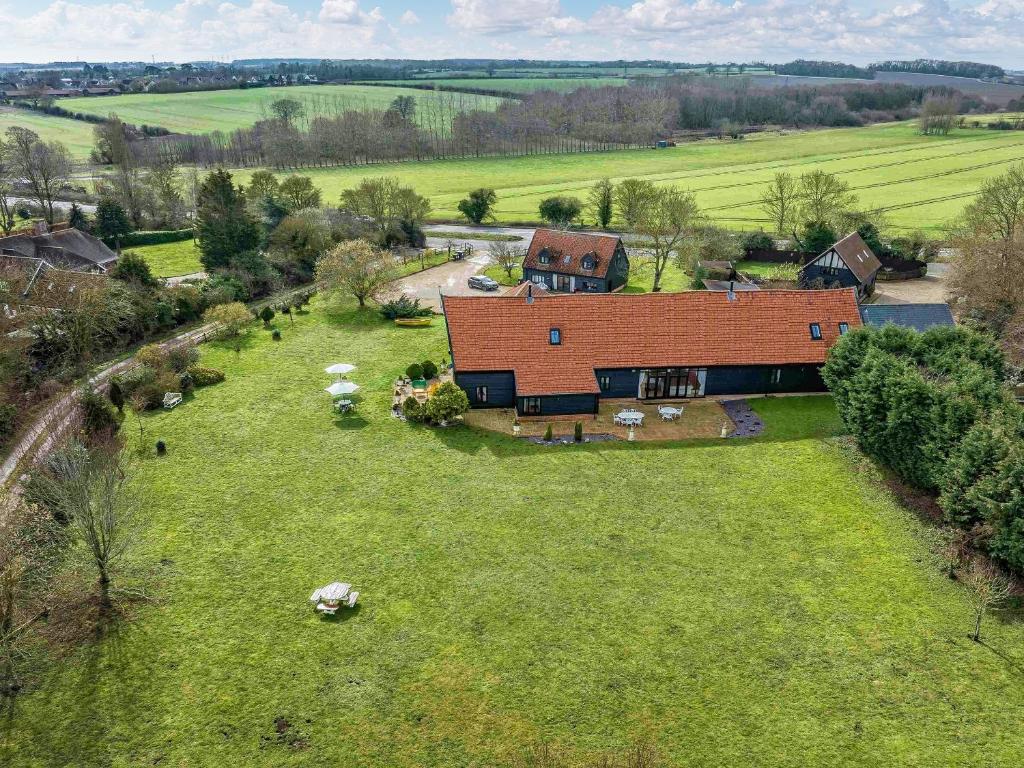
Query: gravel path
[[748, 423]]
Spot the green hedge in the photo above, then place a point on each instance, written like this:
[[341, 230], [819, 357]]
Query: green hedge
[[156, 237]]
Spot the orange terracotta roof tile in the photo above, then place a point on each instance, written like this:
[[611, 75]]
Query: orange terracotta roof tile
[[694, 328], [567, 249]]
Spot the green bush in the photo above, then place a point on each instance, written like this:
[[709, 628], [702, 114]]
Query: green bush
[[8, 421], [549, 434], [266, 315], [429, 369], [414, 371], [161, 448], [155, 237], [182, 357], [758, 241], [276, 335], [412, 410], [204, 377], [447, 402], [97, 414], [403, 307], [577, 432]]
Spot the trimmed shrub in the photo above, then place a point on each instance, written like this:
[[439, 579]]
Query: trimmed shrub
[[155, 237], [447, 402], [429, 369], [266, 315], [577, 432], [161, 448], [204, 377], [412, 410], [403, 307], [414, 371], [276, 335], [549, 434]]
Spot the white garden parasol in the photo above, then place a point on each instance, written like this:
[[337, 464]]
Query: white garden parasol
[[339, 369], [340, 388]]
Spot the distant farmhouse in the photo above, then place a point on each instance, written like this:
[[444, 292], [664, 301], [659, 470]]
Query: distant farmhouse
[[554, 354], [917, 317], [69, 249], [33, 283], [571, 262], [850, 263]]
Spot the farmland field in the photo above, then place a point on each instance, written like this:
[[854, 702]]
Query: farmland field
[[207, 111], [717, 600], [76, 134], [520, 84], [918, 181]]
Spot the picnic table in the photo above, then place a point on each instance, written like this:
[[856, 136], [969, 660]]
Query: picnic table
[[629, 418]]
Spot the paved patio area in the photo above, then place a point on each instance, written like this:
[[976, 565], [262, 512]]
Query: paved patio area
[[700, 419]]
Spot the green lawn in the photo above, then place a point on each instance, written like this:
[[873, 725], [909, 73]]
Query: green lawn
[[921, 181], [731, 602], [77, 135], [207, 111], [171, 259]]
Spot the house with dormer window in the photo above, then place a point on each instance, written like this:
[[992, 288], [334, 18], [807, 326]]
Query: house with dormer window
[[850, 263], [576, 262]]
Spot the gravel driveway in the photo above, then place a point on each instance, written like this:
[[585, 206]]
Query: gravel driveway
[[930, 289], [450, 277]]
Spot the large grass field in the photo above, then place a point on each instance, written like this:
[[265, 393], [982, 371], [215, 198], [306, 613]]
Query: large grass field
[[77, 135], [919, 181], [171, 259], [207, 111], [730, 602], [520, 84]]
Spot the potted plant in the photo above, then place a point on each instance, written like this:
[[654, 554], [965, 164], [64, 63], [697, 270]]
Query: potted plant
[[516, 427]]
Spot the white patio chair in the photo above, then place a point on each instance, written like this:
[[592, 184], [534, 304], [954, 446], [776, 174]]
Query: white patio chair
[[352, 597]]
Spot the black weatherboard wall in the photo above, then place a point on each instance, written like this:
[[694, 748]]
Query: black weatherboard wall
[[561, 405], [501, 388]]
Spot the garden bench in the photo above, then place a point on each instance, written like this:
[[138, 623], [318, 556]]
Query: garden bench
[[171, 399]]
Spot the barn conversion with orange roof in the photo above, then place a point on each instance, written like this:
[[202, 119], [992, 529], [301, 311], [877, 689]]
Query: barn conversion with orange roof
[[561, 354]]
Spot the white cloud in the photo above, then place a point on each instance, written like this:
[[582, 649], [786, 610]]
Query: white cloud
[[348, 12], [194, 29], [506, 16], [683, 30]]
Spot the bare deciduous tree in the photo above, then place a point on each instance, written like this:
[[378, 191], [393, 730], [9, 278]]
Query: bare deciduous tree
[[780, 201], [7, 180], [507, 256], [632, 196], [45, 166], [824, 197], [91, 490], [988, 589], [667, 220], [27, 560], [355, 267]]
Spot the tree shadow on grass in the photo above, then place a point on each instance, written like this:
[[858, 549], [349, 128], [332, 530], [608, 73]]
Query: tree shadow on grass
[[1012, 663], [351, 420]]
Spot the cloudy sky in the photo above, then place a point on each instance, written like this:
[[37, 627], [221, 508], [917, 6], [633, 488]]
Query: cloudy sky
[[682, 30]]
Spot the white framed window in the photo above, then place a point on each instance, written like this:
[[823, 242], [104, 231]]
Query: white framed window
[[481, 394]]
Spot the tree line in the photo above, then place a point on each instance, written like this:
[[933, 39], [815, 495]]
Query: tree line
[[446, 126]]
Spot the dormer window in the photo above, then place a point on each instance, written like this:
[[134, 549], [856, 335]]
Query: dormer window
[[816, 331], [544, 257], [555, 336], [588, 262]]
